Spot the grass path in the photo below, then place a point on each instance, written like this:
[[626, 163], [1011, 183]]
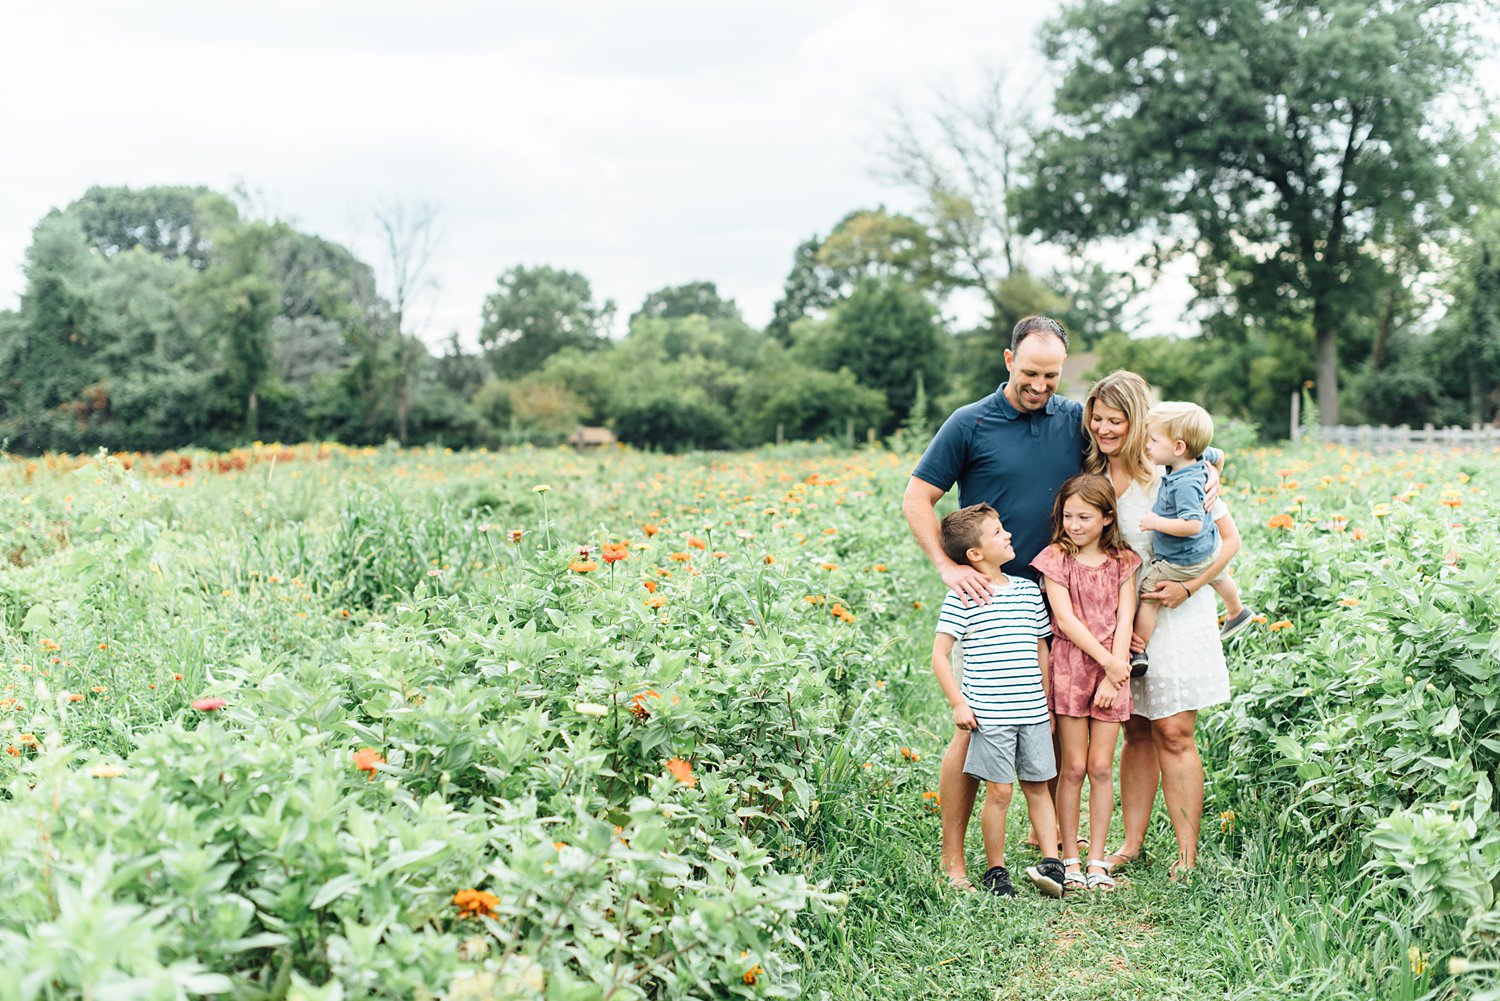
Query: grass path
[[1248, 927]]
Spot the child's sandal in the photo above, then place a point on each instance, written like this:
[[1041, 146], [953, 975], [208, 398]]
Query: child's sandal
[[1099, 880], [1072, 878]]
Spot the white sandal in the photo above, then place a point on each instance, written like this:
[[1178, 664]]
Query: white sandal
[[1073, 880], [1100, 880]]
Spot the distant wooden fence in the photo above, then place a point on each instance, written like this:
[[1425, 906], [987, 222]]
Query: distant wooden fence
[[1406, 439]]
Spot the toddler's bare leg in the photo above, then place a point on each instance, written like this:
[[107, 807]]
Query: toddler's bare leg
[[1145, 619], [1226, 589]]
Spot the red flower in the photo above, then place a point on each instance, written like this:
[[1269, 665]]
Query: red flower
[[209, 705]]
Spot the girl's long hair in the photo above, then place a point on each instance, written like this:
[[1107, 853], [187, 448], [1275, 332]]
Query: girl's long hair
[[1128, 393], [1097, 492]]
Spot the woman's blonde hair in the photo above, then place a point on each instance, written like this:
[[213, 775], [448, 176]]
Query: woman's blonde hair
[[1126, 392], [1097, 492]]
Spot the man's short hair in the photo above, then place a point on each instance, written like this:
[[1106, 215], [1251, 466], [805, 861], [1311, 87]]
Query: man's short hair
[[1029, 325], [962, 531], [1185, 422]]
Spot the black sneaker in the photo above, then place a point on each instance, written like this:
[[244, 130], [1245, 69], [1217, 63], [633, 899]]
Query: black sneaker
[[1240, 621], [1047, 876], [1138, 664], [997, 881]]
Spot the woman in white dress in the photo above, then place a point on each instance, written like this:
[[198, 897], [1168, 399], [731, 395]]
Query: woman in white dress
[[1187, 670]]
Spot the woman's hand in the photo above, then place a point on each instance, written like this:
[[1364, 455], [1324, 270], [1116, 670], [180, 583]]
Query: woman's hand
[[1169, 593]]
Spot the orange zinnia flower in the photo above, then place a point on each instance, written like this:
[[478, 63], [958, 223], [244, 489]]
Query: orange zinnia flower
[[366, 758], [768, 559], [696, 543], [1281, 521], [475, 903], [649, 530], [656, 602], [682, 771], [73, 696], [583, 566], [638, 704], [1278, 626], [679, 557]]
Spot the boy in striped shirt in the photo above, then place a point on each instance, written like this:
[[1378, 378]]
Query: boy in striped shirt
[[1003, 696]]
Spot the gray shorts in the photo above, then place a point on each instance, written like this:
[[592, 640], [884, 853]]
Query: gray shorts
[[1003, 753], [1161, 570]]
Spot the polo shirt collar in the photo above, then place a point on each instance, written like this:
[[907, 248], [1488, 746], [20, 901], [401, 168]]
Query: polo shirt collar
[[1012, 414]]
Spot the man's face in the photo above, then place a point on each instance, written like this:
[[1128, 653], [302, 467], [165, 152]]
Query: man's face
[[1035, 367]]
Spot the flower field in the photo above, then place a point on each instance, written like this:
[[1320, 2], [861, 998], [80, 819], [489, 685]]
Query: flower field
[[313, 722]]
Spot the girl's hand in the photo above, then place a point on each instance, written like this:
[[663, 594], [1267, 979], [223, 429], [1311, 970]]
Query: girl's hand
[[963, 717], [1104, 695], [1117, 670]]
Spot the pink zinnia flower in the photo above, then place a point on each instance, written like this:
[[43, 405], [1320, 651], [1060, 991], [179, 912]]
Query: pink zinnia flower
[[209, 705]]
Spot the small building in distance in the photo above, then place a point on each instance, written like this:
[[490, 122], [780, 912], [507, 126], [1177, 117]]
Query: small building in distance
[[1075, 383], [585, 438]]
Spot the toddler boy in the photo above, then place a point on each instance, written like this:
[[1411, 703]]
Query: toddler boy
[[1185, 540], [1002, 700]]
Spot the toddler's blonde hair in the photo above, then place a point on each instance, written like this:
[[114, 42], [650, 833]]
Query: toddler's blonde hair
[[1184, 422]]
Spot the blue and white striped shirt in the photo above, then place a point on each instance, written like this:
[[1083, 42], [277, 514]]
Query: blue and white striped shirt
[[1002, 681]]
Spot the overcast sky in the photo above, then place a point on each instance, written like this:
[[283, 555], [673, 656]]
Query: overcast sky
[[643, 144]]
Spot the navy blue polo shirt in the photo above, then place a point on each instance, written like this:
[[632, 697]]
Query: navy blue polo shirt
[[1010, 460]]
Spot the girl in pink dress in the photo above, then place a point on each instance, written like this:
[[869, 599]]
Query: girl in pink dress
[[1089, 575]]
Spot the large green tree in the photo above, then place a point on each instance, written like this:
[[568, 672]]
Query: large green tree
[[866, 243], [535, 313], [1285, 143], [885, 333], [676, 302]]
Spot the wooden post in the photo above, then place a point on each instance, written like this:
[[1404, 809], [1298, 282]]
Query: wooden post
[[1296, 431], [870, 437], [779, 429], [849, 432]]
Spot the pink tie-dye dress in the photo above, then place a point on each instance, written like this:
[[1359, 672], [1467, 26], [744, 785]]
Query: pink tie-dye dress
[[1095, 593]]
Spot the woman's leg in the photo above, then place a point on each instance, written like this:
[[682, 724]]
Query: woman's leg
[[1139, 778], [1181, 781], [1072, 766], [1103, 736]]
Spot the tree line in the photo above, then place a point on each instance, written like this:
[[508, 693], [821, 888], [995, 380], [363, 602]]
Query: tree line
[[1325, 171]]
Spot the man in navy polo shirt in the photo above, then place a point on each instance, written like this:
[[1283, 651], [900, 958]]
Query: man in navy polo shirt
[[1011, 450]]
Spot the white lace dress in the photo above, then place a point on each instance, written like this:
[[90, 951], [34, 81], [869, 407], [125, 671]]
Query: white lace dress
[[1187, 660]]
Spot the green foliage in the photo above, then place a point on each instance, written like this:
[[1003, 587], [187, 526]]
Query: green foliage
[[536, 312], [1287, 143], [884, 333], [678, 302], [672, 420], [806, 403]]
